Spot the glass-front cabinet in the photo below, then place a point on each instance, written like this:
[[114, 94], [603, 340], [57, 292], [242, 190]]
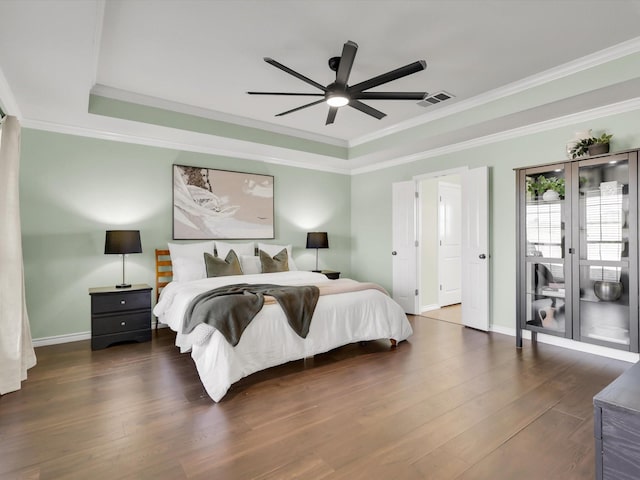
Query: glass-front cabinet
[[578, 250], [545, 213]]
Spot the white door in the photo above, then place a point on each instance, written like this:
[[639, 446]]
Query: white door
[[404, 247], [475, 248], [449, 243]]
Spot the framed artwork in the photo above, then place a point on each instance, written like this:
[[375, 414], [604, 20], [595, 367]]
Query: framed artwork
[[219, 204]]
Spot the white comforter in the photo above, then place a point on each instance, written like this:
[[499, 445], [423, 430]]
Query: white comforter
[[269, 340]]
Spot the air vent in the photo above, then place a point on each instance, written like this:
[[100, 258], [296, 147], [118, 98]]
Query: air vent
[[435, 98]]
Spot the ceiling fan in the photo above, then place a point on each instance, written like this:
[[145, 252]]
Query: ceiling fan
[[339, 93]]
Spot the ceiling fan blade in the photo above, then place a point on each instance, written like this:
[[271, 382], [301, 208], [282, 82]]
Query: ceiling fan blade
[[346, 62], [288, 93], [300, 108], [358, 105], [332, 115], [276, 64], [389, 95], [389, 76]]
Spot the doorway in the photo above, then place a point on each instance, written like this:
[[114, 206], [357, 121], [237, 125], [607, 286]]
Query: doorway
[[415, 289], [440, 267]]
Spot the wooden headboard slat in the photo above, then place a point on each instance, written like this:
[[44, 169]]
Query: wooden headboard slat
[[164, 270]]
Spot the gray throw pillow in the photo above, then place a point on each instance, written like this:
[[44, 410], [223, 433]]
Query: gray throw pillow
[[216, 267], [279, 263]]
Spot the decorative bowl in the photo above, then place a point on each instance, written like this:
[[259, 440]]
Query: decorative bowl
[[607, 291]]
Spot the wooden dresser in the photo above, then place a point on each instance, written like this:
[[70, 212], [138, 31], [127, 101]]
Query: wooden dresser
[[617, 428]]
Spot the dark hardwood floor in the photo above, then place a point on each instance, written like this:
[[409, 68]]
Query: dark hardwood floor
[[452, 403]]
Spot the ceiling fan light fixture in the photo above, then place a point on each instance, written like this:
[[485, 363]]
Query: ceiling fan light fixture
[[337, 100], [339, 93]]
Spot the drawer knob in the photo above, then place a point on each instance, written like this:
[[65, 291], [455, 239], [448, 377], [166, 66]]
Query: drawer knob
[[122, 302], [123, 323]]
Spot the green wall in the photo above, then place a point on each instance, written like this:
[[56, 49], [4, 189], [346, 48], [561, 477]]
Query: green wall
[[428, 270], [74, 188], [371, 201]]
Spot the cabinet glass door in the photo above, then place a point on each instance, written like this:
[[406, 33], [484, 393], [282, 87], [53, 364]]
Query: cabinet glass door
[[545, 275], [606, 244]]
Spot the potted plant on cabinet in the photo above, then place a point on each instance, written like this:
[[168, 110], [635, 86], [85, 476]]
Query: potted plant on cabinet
[[591, 145], [600, 145]]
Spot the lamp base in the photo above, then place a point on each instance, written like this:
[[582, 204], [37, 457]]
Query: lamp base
[[123, 285]]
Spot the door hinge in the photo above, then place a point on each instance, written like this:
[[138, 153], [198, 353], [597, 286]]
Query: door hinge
[[417, 195], [440, 287], [416, 291], [417, 243]]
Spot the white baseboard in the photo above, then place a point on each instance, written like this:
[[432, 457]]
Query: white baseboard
[[571, 344], [55, 340], [428, 308]]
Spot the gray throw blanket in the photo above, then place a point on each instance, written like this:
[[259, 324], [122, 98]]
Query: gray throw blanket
[[231, 308]]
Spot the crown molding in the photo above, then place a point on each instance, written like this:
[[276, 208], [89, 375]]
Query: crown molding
[[575, 66], [235, 149], [566, 120], [155, 102], [273, 157]]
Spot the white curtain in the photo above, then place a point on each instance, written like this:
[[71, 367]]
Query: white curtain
[[16, 349]]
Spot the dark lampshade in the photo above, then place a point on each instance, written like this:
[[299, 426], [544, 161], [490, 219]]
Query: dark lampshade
[[122, 241], [317, 240]]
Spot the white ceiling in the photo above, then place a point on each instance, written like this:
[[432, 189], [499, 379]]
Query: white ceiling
[[207, 54]]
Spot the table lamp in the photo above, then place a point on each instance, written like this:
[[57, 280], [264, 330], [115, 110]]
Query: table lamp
[[317, 240], [122, 242]]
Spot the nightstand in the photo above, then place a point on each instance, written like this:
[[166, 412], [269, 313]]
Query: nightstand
[[330, 274], [120, 315]]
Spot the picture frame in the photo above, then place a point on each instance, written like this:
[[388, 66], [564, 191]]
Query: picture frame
[[221, 204]]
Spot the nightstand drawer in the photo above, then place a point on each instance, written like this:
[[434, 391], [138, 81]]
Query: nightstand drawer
[[107, 324], [120, 302]]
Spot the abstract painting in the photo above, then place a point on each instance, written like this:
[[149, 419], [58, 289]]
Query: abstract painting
[[219, 204]]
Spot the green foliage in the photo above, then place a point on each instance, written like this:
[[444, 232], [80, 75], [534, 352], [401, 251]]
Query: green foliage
[[541, 184], [582, 147], [604, 138]]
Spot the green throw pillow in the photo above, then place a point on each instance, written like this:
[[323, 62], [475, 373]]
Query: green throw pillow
[[279, 263], [216, 267]]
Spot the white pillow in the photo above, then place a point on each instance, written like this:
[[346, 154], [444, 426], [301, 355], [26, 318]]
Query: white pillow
[[273, 250], [246, 248], [188, 260], [250, 264]]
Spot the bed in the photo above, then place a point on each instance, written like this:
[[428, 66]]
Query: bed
[[339, 319]]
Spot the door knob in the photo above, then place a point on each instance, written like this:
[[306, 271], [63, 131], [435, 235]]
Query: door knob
[[394, 253], [482, 256]]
